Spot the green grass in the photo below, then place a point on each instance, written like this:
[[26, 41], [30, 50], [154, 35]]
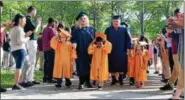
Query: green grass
[[7, 77]]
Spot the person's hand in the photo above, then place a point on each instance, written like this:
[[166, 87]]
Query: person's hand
[[131, 53], [176, 23], [29, 33], [74, 45], [9, 24], [39, 21], [104, 42], [98, 44]]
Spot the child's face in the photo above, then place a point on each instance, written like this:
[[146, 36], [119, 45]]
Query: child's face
[[99, 44], [139, 49], [62, 39]]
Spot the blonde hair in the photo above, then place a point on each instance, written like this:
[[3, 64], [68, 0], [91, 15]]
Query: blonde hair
[[80, 21]]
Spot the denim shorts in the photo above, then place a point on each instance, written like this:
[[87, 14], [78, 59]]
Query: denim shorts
[[19, 56]]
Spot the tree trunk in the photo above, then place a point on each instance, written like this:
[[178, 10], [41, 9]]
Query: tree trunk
[[142, 19]]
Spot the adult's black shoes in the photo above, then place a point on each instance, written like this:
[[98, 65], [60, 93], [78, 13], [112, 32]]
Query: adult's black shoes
[[58, 86], [26, 84], [164, 80], [166, 87], [35, 82], [17, 87], [3, 89]]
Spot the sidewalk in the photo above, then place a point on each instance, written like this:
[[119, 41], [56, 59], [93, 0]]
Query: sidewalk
[[48, 91]]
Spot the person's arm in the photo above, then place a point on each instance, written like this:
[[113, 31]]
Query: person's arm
[[128, 42], [73, 53], [176, 23], [94, 32], [107, 47], [92, 48], [51, 33], [54, 43], [74, 38], [5, 27], [106, 31], [146, 57], [21, 37]]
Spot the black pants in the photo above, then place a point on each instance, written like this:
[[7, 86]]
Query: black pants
[[171, 62], [84, 79], [48, 64]]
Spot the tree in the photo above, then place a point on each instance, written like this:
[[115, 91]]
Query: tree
[[100, 12]]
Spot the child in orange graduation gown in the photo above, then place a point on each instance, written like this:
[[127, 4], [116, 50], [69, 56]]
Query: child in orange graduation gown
[[65, 56], [141, 63], [99, 49], [131, 62]]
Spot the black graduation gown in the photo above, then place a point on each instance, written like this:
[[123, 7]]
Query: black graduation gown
[[121, 41], [83, 37]]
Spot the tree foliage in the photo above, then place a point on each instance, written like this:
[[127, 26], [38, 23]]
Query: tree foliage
[[100, 12]]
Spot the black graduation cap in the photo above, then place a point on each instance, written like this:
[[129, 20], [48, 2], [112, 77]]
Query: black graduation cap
[[116, 17], [80, 15]]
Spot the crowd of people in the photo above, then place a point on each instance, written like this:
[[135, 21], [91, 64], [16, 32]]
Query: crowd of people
[[115, 53]]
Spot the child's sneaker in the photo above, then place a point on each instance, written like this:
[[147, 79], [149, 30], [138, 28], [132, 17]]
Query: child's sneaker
[[99, 87], [58, 86], [131, 83], [141, 85], [68, 83], [80, 87], [94, 83], [137, 86]]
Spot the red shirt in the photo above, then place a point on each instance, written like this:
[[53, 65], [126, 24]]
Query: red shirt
[[1, 38]]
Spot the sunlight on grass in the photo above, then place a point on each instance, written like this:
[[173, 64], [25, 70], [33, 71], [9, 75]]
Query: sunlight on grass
[[7, 77]]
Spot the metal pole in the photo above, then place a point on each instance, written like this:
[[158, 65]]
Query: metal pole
[[94, 14], [0, 36]]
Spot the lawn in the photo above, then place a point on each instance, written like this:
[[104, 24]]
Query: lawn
[[7, 77]]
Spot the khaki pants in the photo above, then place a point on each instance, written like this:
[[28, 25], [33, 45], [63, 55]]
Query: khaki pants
[[32, 51], [175, 72], [180, 83], [25, 70]]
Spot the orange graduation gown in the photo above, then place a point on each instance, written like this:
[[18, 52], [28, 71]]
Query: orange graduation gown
[[99, 66], [131, 64], [65, 56], [141, 63]]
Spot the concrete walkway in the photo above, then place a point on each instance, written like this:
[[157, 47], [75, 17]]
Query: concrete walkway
[[48, 91]]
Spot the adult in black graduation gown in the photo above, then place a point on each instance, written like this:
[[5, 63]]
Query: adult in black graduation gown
[[121, 41], [82, 36]]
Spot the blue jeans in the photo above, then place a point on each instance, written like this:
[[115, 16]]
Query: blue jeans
[[19, 56]]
